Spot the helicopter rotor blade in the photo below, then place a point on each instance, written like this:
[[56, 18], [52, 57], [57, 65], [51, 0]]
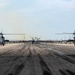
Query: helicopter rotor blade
[[63, 33], [13, 34]]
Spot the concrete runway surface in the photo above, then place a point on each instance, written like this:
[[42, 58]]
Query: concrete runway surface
[[37, 59]]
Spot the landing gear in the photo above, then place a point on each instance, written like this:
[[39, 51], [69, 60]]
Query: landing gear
[[3, 44]]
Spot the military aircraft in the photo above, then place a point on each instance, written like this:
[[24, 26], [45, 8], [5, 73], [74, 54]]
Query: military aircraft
[[2, 38], [35, 40], [71, 34]]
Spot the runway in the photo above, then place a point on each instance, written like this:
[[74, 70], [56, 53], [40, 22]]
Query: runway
[[37, 59]]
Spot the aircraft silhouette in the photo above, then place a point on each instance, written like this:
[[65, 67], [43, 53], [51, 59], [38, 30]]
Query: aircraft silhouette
[[2, 38], [71, 34], [35, 40]]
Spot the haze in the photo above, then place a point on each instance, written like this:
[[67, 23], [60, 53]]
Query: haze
[[41, 18]]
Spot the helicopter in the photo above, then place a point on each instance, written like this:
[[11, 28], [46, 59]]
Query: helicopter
[[2, 38], [71, 34], [35, 40]]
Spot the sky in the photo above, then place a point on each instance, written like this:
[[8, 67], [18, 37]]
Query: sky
[[40, 18]]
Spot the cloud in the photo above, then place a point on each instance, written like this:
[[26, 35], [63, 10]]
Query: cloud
[[4, 3], [66, 4]]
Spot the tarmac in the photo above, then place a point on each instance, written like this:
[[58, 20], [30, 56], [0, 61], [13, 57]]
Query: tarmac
[[37, 59]]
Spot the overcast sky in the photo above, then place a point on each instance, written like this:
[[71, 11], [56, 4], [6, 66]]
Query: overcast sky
[[41, 18]]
